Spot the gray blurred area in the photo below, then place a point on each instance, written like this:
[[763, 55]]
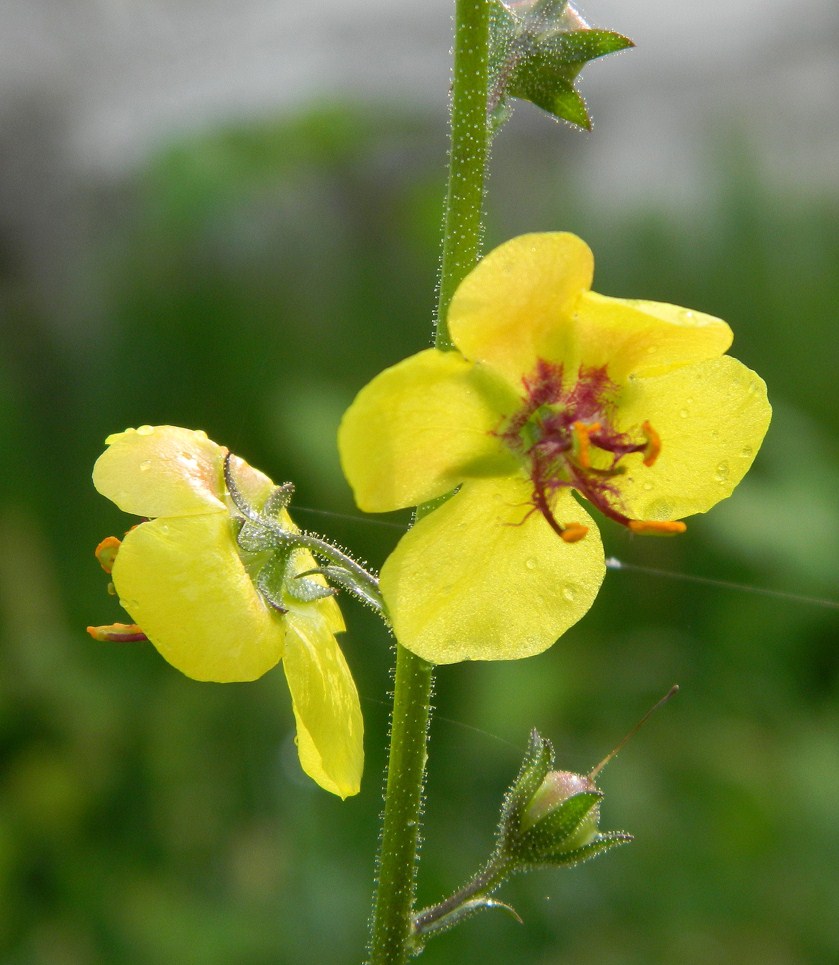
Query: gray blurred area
[[90, 88]]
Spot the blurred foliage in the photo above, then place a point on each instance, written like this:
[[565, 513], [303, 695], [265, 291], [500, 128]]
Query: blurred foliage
[[255, 279]]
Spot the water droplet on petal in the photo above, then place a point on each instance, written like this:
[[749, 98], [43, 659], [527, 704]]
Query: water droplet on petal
[[722, 471], [145, 466], [746, 452], [648, 486], [145, 430], [683, 413], [568, 592], [530, 564]]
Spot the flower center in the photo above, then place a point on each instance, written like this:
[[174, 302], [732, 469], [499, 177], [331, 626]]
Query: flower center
[[568, 437]]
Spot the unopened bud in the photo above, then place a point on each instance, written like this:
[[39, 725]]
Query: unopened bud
[[554, 791]]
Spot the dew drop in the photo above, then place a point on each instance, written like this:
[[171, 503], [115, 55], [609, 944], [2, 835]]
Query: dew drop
[[687, 315], [530, 564], [648, 486], [145, 430], [722, 471], [145, 466], [683, 413], [746, 452], [568, 592]]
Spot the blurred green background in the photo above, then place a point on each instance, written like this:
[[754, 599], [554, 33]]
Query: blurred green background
[[256, 278]]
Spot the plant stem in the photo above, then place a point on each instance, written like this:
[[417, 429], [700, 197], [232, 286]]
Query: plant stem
[[390, 941], [481, 885], [462, 220], [399, 844]]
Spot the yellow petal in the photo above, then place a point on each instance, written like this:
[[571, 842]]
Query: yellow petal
[[479, 579], [330, 728], [254, 485], [515, 306], [421, 427], [182, 581], [711, 418], [161, 471], [629, 335]]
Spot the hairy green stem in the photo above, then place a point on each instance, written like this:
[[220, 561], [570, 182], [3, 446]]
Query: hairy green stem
[[400, 840], [462, 220], [432, 919], [391, 932]]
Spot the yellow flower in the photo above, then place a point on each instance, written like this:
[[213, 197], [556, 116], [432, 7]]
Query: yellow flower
[[554, 389], [186, 580]]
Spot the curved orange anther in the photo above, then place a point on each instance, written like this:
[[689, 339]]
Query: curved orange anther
[[582, 441], [106, 552], [118, 633], [653, 450]]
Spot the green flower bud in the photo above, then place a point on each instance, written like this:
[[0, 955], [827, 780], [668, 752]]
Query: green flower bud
[[553, 792], [550, 818]]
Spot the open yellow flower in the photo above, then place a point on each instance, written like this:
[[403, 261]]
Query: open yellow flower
[[554, 389], [187, 581]]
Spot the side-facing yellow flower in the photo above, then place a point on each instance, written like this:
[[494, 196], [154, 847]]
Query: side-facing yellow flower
[[192, 584], [554, 389]]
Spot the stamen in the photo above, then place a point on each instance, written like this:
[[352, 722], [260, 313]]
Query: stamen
[[118, 633], [582, 442], [574, 532], [656, 527], [571, 532], [653, 448], [106, 552]]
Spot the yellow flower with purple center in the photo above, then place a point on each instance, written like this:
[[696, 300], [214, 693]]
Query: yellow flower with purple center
[[554, 390], [217, 601]]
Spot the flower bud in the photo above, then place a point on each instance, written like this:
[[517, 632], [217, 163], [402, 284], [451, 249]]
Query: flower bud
[[550, 818], [553, 792]]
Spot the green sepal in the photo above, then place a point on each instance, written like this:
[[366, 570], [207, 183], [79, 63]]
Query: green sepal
[[575, 48], [270, 581], [279, 500], [536, 54], [555, 832], [560, 99], [598, 845], [538, 760], [254, 538], [302, 590]]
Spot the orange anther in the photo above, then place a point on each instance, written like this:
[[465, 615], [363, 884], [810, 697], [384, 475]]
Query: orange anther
[[657, 527], [573, 532], [106, 552], [582, 442], [653, 450], [118, 633]]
